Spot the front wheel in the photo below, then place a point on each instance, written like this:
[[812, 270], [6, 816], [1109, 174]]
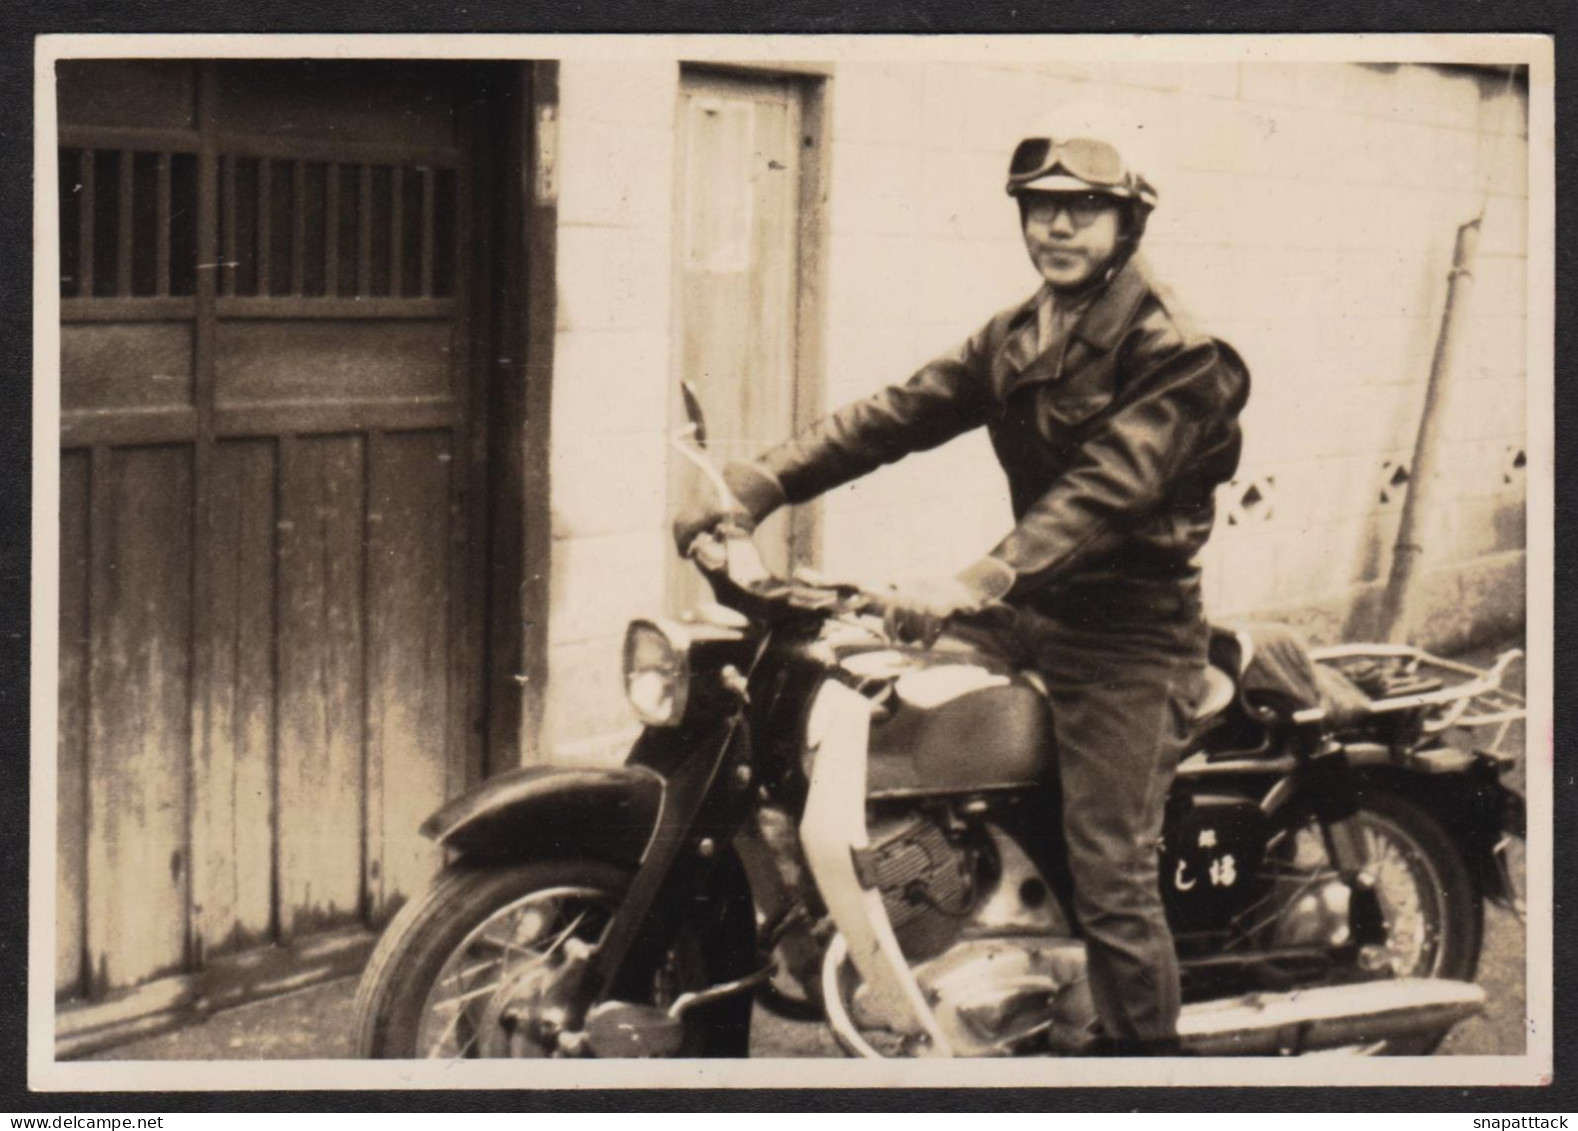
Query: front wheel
[[481, 963]]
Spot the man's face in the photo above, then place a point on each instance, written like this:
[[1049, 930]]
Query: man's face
[[1071, 235]]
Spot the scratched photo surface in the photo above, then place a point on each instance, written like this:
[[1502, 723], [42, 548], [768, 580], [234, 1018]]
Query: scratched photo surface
[[356, 396]]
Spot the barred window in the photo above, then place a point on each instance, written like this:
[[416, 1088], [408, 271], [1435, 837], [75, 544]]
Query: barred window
[[287, 227], [327, 229], [128, 223]]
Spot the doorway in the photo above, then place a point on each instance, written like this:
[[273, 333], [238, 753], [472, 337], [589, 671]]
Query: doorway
[[747, 279], [273, 499]]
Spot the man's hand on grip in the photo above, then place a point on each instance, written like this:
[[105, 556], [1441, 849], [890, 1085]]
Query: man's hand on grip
[[756, 492], [916, 612]]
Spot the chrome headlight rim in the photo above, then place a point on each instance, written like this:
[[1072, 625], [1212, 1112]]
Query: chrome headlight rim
[[675, 642]]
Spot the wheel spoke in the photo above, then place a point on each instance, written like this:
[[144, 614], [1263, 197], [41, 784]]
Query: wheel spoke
[[1405, 885], [504, 944], [472, 995], [563, 935], [454, 1023], [515, 951], [499, 988], [1282, 905], [512, 939], [471, 1043], [462, 976]]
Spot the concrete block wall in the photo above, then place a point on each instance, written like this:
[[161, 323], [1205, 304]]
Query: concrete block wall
[[1308, 213], [612, 373]]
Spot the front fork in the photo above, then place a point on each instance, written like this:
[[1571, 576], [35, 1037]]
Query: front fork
[[706, 796]]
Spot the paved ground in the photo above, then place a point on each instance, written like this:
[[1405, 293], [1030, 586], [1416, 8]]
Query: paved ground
[[313, 1023], [1503, 1028]]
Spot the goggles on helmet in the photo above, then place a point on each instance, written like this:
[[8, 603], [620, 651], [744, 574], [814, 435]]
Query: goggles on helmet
[[1088, 160]]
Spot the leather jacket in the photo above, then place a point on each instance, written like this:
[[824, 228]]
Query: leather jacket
[[1113, 440]]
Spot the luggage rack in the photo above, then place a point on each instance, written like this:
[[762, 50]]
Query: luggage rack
[[1454, 694]]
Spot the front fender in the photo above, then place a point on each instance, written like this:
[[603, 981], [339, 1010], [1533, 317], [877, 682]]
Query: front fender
[[537, 811], [631, 815]]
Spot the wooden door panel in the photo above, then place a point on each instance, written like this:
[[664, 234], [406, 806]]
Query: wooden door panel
[[372, 101], [142, 365], [270, 625], [233, 771], [738, 279], [140, 696], [409, 641], [135, 93], [71, 738], [321, 710], [295, 362], [739, 185]]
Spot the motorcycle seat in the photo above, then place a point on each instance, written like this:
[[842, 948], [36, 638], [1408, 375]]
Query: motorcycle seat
[[1276, 675], [1220, 690]]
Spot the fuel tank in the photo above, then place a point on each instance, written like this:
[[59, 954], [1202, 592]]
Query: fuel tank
[[951, 719]]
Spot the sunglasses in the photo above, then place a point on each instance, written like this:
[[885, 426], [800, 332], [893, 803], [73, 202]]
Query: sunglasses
[[1083, 208], [1092, 161]]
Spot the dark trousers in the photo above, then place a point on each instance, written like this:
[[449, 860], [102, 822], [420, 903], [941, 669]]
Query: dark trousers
[[1123, 677]]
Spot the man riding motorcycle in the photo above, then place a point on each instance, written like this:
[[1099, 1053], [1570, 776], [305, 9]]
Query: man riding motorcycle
[[1114, 422]]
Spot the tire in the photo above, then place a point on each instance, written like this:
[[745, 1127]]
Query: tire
[[1462, 922], [392, 1015], [1408, 844]]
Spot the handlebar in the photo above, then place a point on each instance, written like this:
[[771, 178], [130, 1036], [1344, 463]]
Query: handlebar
[[730, 560]]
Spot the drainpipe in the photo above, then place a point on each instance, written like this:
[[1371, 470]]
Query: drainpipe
[[1401, 596]]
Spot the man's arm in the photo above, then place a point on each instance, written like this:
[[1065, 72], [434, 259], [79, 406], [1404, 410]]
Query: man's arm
[[1176, 402], [946, 398]]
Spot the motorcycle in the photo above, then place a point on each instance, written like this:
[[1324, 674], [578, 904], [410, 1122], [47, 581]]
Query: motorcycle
[[837, 827]]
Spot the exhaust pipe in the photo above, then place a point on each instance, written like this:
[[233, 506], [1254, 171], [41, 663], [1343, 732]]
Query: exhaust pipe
[[1363, 1014]]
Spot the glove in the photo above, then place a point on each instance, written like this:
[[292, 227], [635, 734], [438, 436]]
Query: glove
[[755, 489], [917, 612]]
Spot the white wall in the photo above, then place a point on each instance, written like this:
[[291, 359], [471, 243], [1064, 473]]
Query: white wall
[[611, 386], [1307, 216]]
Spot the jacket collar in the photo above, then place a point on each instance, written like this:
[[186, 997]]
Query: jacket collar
[[1113, 309], [1020, 348], [1099, 328]]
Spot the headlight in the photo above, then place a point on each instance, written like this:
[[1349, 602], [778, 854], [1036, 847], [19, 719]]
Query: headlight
[[657, 672]]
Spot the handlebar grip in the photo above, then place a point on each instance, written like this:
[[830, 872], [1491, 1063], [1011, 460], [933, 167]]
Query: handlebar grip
[[878, 602], [996, 616]]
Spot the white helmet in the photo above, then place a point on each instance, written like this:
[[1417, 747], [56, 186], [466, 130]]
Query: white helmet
[[1085, 148]]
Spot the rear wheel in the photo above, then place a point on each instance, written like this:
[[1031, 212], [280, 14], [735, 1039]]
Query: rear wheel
[[1430, 904], [481, 965]]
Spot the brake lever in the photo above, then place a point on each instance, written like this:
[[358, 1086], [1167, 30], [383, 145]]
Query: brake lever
[[713, 476]]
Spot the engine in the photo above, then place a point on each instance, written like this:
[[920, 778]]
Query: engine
[[927, 881], [985, 938]]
